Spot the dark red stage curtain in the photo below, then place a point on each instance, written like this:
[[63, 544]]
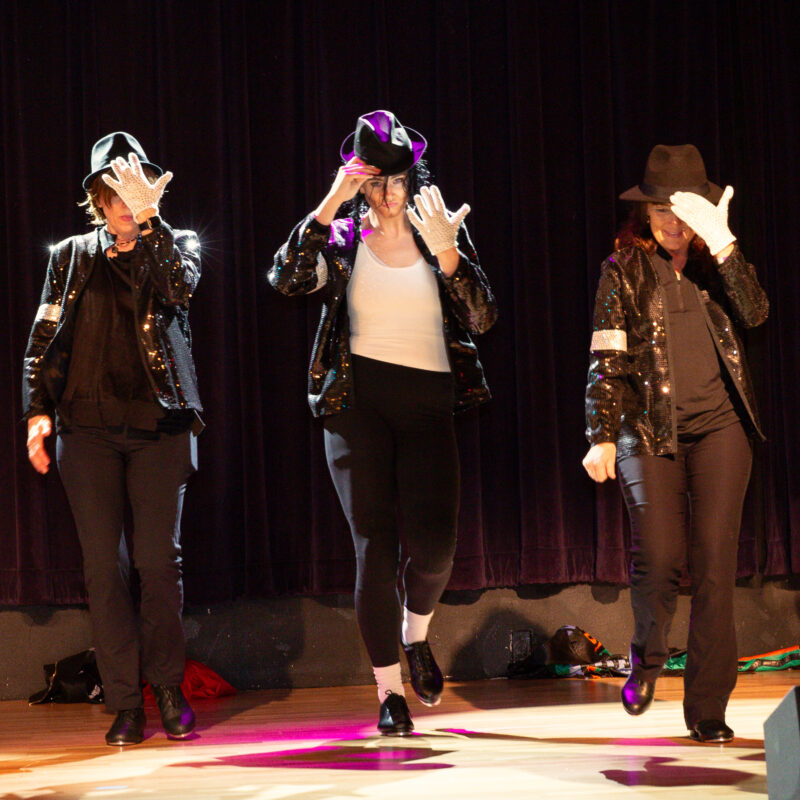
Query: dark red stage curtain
[[537, 113]]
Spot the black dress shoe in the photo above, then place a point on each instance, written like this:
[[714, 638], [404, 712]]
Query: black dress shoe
[[394, 719], [426, 677], [127, 728], [637, 695], [713, 731], [177, 716]]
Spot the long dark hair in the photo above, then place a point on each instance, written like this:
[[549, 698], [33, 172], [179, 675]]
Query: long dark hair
[[417, 176]]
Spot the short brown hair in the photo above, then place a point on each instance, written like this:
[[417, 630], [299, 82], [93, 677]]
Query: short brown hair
[[99, 192]]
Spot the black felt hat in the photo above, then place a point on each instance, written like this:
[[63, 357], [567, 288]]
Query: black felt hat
[[108, 148], [670, 169], [381, 141]]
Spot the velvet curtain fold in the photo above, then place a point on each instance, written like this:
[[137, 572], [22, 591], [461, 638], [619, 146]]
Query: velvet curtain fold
[[538, 114]]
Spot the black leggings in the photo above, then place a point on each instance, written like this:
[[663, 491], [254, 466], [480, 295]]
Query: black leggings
[[394, 460], [708, 479]]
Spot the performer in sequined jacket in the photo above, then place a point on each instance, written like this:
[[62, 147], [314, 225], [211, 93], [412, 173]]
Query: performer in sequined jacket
[[402, 294], [109, 359], [670, 406]]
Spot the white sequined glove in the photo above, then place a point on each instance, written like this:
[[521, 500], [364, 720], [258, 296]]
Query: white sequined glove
[[134, 189], [708, 221], [436, 225]]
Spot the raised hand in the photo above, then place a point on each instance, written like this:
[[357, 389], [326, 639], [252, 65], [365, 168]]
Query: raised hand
[[350, 177], [436, 225], [134, 189], [708, 221]]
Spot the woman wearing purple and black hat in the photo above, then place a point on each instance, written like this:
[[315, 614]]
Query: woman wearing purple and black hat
[[670, 407], [109, 358], [402, 293]]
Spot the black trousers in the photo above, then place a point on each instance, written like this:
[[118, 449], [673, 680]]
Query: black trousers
[[100, 470], [706, 480], [393, 459]]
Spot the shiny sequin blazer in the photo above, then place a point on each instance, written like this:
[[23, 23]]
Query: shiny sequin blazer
[[318, 257], [161, 291], [629, 397]]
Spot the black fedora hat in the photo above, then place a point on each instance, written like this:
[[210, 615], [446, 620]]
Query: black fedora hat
[[381, 141], [108, 148], [670, 169]]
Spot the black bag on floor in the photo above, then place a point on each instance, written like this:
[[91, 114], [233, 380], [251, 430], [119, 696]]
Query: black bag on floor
[[566, 653], [74, 679]]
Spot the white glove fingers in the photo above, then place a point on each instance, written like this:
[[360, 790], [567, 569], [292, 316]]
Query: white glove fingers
[[725, 199], [458, 217], [436, 199], [414, 219], [136, 166], [120, 168], [422, 205], [110, 182], [686, 200], [159, 185], [681, 210], [425, 191]]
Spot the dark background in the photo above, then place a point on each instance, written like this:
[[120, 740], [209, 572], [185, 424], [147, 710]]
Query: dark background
[[538, 114]]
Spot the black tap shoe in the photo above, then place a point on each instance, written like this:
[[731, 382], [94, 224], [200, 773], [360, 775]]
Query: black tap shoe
[[426, 677], [637, 695], [711, 731], [394, 719], [177, 716], [127, 728]]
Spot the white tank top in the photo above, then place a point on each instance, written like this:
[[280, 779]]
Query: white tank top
[[395, 313]]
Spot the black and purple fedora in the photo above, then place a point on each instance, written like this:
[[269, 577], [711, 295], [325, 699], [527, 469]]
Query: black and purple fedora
[[381, 141]]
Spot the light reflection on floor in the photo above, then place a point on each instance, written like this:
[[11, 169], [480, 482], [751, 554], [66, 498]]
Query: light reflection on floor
[[270, 751]]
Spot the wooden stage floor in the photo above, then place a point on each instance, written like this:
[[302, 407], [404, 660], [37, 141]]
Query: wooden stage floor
[[566, 739]]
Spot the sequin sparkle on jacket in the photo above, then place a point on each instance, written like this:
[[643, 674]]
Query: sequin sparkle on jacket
[[629, 395], [162, 286], [319, 257]]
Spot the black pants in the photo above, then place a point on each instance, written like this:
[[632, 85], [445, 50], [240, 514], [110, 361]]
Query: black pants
[[100, 470], [394, 455], [708, 479]]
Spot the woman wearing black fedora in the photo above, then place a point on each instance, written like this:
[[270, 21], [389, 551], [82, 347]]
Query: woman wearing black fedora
[[402, 295], [670, 407], [109, 360]]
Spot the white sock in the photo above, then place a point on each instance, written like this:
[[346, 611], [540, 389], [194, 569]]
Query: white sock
[[415, 626], [389, 680]]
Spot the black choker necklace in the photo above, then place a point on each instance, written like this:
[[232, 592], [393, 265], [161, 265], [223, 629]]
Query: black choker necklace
[[115, 247]]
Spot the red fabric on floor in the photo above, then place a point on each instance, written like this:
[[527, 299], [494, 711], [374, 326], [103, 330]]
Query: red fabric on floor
[[198, 681]]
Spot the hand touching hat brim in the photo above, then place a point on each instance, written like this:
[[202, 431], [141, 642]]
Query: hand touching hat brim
[[708, 221]]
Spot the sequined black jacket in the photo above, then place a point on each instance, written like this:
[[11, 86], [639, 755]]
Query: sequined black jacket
[[629, 396], [321, 257], [161, 290]]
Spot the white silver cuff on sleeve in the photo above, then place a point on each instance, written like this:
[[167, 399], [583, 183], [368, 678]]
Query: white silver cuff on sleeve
[[322, 273], [48, 313], [610, 340]]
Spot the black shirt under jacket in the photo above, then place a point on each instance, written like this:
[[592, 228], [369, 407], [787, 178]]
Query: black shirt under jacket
[[162, 279], [629, 393], [702, 402]]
